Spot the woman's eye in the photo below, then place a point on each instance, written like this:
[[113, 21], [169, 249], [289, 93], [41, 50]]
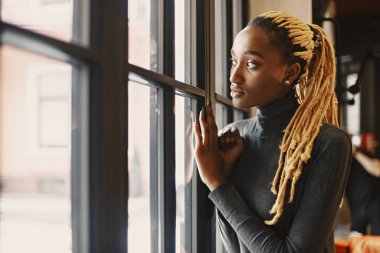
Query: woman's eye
[[251, 64], [233, 62]]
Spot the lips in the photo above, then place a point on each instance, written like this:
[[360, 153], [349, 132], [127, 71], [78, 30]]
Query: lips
[[236, 91]]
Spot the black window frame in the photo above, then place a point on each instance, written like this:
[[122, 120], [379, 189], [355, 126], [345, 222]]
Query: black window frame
[[108, 72]]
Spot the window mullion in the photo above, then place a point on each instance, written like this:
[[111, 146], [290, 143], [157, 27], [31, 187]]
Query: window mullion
[[166, 56], [109, 132], [44, 45], [205, 78], [167, 205]]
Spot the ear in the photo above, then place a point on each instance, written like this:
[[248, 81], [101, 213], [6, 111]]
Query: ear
[[293, 72]]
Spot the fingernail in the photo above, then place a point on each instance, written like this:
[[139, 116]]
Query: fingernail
[[204, 112], [208, 108]]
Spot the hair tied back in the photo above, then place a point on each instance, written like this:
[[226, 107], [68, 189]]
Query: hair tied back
[[316, 37]]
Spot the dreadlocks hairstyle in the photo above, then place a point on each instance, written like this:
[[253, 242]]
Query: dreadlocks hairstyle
[[314, 88]]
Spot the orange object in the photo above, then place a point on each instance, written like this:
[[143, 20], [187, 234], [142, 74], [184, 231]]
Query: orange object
[[362, 244], [341, 246], [365, 244]]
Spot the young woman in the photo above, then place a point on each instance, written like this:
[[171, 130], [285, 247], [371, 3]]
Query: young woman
[[277, 179]]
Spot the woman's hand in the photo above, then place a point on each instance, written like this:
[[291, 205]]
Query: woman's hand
[[215, 158]]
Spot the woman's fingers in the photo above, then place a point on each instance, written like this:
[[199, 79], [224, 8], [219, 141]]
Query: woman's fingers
[[198, 135], [229, 136], [236, 138], [208, 127], [204, 128], [212, 128]]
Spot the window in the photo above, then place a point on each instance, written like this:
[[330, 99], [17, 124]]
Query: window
[[143, 42], [106, 108], [52, 18], [35, 155], [353, 111], [51, 104], [57, 151], [185, 69], [142, 129], [185, 109]]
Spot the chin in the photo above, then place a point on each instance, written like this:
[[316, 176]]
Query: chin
[[241, 104]]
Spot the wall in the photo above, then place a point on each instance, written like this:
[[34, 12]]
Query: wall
[[299, 8]]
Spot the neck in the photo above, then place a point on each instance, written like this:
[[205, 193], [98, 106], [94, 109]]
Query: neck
[[278, 114]]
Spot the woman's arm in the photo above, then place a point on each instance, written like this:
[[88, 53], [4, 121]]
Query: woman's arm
[[371, 165], [327, 174]]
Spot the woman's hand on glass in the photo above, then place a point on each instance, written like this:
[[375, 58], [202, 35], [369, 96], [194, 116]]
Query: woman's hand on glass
[[215, 155]]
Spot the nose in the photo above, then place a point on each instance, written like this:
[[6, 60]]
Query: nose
[[236, 74]]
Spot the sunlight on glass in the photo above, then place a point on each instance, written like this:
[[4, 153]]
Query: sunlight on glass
[[184, 117], [139, 118], [141, 41], [35, 117], [180, 42], [53, 18]]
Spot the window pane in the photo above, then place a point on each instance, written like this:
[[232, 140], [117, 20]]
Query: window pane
[[54, 18], [142, 40], [35, 134], [184, 108], [182, 41], [221, 121], [220, 115], [142, 111], [221, 58], [238, 115]]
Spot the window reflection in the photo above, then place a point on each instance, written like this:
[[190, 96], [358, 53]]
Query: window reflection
[[49, 17], [141, 116], [221, 121], [142, 39], [184, 108], [35, 170]]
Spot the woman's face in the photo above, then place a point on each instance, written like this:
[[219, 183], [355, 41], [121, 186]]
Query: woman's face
[[258, 69]]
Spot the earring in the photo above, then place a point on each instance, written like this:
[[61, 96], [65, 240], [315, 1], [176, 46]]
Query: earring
[[286, 82]]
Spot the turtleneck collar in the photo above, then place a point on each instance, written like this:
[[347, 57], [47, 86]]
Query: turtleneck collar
[[278, 114]]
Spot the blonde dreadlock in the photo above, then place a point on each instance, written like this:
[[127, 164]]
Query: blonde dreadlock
[[315, 93]]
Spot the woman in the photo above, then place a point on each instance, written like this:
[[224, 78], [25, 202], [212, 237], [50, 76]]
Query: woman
[[277, 179], [363, 189]]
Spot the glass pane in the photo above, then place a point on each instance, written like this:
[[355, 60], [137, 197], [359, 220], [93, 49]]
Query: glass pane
[[238, 115], [221, 121], [220, 115], [182, 41], [184, 117], [35, 134], [142, 127], [143, 29], [221, 58], [54, 18]]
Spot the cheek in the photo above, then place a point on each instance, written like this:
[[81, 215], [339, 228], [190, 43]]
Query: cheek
[[264, 88], [263, 83]]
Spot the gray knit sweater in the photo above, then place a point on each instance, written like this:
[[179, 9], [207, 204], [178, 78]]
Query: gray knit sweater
[[306, 224]]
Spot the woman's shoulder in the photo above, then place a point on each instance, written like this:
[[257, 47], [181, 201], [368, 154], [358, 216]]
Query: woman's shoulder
[[333, 135]]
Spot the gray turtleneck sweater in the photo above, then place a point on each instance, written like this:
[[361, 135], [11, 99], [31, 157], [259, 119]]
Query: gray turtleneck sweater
[[243, 204]]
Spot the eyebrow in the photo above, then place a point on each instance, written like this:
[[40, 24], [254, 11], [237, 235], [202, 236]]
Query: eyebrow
[[250, 52]]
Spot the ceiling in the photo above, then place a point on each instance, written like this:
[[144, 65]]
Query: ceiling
[[359, 24], [357, 8]]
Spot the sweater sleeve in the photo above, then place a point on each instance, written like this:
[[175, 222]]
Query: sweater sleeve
[[324, 187]]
